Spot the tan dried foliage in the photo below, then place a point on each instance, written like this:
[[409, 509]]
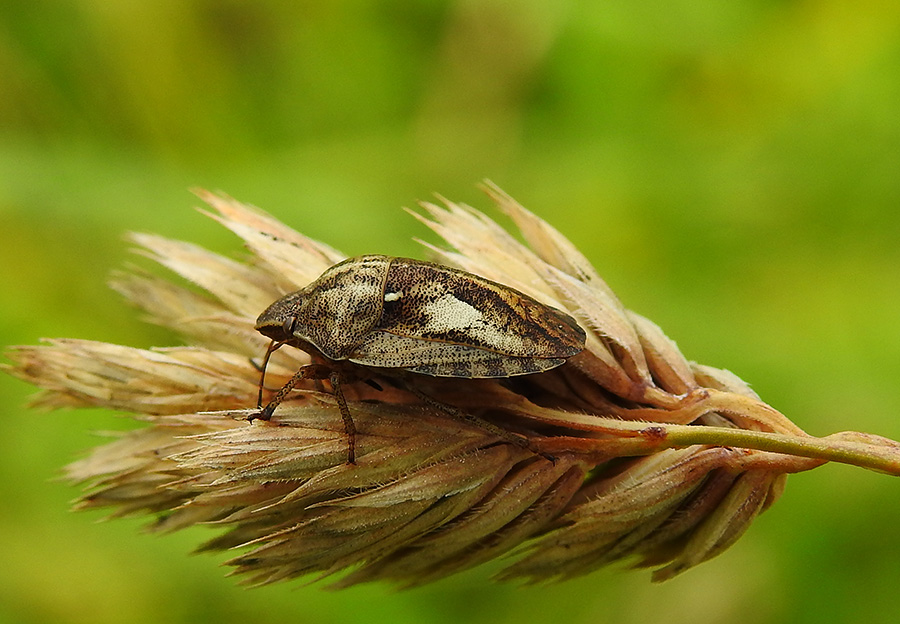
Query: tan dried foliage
[[660, 461]]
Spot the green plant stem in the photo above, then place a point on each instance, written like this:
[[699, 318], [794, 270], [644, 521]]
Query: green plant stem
[[843, 448], [883, 458], [623, 437]]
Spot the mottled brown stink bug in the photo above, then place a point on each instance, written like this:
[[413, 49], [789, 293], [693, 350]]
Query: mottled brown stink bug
[[398, 314]]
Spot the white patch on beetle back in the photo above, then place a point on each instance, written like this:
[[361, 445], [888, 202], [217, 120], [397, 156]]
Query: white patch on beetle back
[[448, 314], [392, 296]]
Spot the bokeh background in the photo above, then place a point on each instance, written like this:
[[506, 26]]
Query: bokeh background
[[731, 168]]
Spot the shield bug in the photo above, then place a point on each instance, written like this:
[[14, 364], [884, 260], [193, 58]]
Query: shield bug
[[402, 315]]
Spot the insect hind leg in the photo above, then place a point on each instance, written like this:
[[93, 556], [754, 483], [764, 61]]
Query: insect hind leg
[[488, 426]]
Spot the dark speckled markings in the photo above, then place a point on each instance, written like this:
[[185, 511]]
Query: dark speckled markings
[[408, 315]]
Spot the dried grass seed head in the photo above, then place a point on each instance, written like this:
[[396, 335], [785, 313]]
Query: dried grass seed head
[[659, 461]]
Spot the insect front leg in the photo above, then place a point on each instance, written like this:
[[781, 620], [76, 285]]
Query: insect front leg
[[316, 372], [310, 371]]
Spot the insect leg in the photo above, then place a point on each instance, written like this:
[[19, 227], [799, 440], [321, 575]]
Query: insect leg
[[317, 372], [490, 427], [310, 371], [349, 426]]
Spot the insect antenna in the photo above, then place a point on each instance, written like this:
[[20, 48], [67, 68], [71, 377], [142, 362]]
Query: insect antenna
[[273, 347]]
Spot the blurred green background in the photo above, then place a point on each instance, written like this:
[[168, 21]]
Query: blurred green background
[[732, 169]]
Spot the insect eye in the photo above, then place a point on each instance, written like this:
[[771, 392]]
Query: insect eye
[[289, 324]]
